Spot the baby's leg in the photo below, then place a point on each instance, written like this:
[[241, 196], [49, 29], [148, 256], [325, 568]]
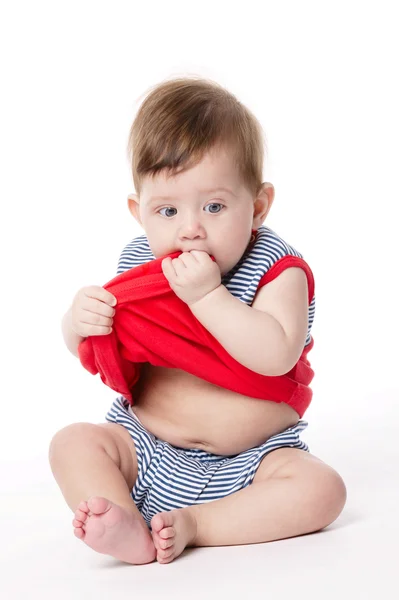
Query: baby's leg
[[95, 467], [293, 493]]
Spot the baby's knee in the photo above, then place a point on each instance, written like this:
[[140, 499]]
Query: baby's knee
[[338, 492], [72, 436], [329, 495]]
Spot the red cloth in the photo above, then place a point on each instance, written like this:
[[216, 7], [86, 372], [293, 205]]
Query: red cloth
[[151, 324]]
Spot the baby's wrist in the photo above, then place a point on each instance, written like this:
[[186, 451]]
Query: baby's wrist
[[209, 297]]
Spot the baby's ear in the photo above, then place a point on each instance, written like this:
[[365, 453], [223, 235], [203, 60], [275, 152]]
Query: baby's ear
[[133, 204]]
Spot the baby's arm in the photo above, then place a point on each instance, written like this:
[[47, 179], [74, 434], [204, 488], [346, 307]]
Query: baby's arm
[[267, 337]]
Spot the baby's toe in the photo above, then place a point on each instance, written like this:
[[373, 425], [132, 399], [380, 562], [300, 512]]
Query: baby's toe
[[83, 506], [167, 533], [157, 523], [79, 533], [98, 505], [165, 556], [164, 544], [81, 516]]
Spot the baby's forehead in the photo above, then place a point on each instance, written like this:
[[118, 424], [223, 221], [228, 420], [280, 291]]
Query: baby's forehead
[[173, 188], [213, 168]]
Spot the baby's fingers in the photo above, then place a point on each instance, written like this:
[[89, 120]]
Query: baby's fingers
[[91, 323], [97, 307], [99, 293]]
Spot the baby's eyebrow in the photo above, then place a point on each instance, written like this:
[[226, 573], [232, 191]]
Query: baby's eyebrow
[[211, 191], [219, 189]]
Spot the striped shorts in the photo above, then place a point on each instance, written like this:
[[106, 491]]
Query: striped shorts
[[170, 477]]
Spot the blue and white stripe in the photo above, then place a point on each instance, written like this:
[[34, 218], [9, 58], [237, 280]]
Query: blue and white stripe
[[243, 279], [170, 477]]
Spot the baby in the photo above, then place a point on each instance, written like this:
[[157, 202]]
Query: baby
[[191, 463]]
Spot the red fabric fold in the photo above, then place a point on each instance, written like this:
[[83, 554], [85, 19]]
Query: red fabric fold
[[151, 324]]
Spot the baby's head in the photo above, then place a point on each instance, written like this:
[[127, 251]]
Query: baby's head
[[190, 139]]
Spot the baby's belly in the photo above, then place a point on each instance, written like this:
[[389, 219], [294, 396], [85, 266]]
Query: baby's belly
[[189, 412]]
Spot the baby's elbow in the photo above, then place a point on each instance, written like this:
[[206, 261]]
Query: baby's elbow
[[283, 365], [273, 370], [276, 371]]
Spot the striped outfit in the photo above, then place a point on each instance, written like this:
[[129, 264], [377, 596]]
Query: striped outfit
[[171, 477]]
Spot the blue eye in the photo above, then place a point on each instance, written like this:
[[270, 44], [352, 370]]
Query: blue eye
[[215, 204], [211, 204], [166, 208]]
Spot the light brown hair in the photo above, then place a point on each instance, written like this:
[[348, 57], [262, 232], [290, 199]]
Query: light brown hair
[[182, 119]]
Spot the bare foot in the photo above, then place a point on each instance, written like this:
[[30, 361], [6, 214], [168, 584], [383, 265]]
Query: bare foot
[[114, 530], [172, 531]]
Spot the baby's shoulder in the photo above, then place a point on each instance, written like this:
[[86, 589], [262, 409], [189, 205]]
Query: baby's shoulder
[[270, 246], [136, 252]]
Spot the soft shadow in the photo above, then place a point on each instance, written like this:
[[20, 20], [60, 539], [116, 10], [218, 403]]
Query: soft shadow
[[114, 563]]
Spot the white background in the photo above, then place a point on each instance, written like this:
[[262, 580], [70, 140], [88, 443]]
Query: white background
[[322, 78]]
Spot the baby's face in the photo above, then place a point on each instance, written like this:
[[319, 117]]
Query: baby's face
[[190, 211]]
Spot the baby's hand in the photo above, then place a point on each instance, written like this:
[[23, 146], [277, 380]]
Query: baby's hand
[[92, 311], [192, 275]]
